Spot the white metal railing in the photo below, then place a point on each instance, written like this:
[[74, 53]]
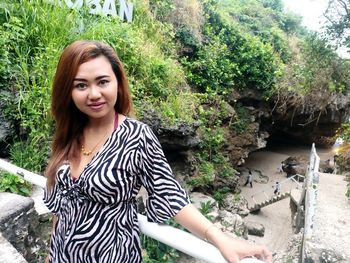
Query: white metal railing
[[310, 193], [176, 238]]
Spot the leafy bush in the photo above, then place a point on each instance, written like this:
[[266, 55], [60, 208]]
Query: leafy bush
[[14, 184], [232, 59], [157, 252]]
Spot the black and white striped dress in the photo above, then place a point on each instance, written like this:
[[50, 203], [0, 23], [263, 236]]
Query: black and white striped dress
[[97, 217]]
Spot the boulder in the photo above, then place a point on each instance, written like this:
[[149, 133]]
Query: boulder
[[233, 223], [9, 253], [23, 228], [326, 166], [255, 229], [235, 204], [295, 165]]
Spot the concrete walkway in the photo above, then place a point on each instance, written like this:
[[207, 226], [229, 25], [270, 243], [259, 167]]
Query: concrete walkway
[[332, 220]]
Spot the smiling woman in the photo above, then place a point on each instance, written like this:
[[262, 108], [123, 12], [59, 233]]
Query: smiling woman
[[99, 162]]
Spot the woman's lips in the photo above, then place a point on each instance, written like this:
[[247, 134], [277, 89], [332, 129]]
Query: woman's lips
[[96, 106]]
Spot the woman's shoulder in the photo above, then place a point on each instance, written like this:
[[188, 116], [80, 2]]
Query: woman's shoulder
[[136, 123]]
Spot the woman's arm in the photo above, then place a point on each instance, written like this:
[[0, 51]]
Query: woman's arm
[[232, 249]]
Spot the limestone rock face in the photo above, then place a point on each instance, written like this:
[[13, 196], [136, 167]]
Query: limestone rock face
[[233, 223], [22, 227], [292, 253], [228, 181], [177, 137], [312, 118], [235, 205]]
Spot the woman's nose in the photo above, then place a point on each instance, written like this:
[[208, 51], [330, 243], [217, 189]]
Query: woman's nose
[[94, 93]]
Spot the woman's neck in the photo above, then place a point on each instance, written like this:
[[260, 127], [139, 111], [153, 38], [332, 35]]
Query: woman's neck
[[97, 125]]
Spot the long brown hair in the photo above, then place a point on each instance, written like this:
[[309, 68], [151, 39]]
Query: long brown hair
[[70, 121]]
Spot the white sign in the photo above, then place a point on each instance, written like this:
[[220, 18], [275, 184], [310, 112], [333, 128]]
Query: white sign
[[106, 7]]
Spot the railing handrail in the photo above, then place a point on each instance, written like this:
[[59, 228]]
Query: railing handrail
[[168, 235]]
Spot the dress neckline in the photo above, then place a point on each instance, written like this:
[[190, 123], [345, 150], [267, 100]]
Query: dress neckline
[[116, 129]]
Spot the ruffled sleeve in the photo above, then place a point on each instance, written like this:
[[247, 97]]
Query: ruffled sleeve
[[53, 197], [165, 195]]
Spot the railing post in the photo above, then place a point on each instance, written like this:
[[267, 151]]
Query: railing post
[[310, 200]]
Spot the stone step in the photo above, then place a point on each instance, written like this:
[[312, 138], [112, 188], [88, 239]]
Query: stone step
[[267, 202]]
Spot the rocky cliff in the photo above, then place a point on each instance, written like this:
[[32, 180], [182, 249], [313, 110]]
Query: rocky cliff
[[313, 118]]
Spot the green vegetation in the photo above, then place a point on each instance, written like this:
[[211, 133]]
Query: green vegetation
[[14, 184], [157, 252], [220, 194]]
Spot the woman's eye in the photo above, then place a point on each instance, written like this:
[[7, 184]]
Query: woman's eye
[[104, 82], [80, 86]]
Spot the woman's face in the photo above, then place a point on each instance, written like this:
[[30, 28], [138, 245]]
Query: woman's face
[[95, 88]]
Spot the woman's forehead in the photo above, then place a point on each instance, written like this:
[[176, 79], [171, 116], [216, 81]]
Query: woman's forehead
[[93, 68]]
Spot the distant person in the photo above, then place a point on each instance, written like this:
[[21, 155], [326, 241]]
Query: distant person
[[335, 162], [338, 142], [277, 188], [249, 179], [280, 168]]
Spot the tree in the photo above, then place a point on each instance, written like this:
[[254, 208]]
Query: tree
[[338, 17], [273, 4]]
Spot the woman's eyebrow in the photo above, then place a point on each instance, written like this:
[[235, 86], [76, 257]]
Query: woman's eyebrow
[[79, 79], [101, 77], [97, 78]]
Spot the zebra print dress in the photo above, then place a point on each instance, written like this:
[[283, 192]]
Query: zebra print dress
[[97, 217]]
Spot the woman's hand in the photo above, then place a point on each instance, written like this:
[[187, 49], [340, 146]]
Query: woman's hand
[[235, 250], [232, 249]]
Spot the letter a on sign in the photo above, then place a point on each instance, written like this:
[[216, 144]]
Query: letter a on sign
[[109, 8], [95, 7]]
